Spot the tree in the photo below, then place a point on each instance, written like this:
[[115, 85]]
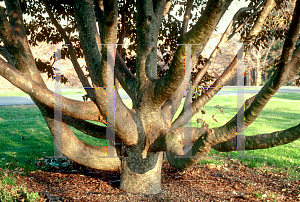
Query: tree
[[257, 59], [147, 129]]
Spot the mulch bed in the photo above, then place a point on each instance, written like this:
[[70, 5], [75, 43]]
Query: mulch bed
[[233, 181]]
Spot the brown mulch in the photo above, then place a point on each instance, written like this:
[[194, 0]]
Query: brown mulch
[[232, 181]]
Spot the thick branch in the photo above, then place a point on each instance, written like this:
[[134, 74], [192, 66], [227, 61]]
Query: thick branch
[[167, 7], [85, 127], [86, 24], [69, 145], [15, 17], [171, 105], [262, 141], [85, 17], [125, 77], [87, 33], [72, 147], [231, 128], [123, 74], [295, 59], [109, 35], [74, 108], [7, 36], [186, 17], [289, 46], [74, 60], [5, 53], [229, 72], [146, 44], [174, 147], [12, 35], [88, 128], [166, 86]]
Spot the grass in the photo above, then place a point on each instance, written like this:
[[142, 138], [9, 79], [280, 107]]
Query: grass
[[9, 191], [24, 135], [11, 93], [281, 112]]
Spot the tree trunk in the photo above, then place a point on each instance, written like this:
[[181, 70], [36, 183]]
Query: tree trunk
[[258, 77], [141, 176]]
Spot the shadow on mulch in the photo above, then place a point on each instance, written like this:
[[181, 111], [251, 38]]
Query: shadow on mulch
[[229, 182]]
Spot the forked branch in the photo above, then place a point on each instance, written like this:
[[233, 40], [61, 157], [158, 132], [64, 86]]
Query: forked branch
[[92, 156], [229, 72], [166, 86], [74, 60]]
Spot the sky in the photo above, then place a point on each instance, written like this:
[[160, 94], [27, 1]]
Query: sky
[[234, 7]]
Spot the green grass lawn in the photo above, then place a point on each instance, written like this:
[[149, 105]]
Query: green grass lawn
[[281, 112], [24, 135], [11, 93]]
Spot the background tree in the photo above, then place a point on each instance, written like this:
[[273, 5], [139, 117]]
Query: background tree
[[147, 129], [259, 59]]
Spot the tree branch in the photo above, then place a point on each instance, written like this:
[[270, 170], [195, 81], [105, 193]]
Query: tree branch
[[166, 86], [229, 72], [109, 34], [5, 53], [174, 147], [167, 7], [85, 127], [69, 145], [125, 77], [87, 33], [186, 17], [74, 60], [123, 74], [86, 23], [295, 59], [147, 33], [262, 141], [288, 48], [172, 104], [243, 24], [213, 55], [15, 17], [222, 41], [81, 152], [88, 128], [7, 36], [230, 129], [74, 108], [14, 38]]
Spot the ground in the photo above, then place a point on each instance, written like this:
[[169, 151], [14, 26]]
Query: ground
[[231, 181]]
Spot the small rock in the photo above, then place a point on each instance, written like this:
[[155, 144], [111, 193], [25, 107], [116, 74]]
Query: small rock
[[233, 192], [64, 164], [219, 175]]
